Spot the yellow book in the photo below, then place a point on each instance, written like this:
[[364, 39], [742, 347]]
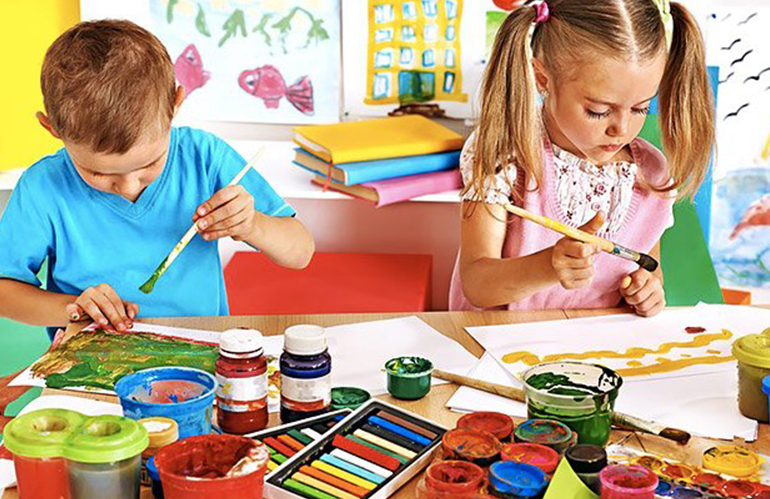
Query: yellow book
[[377, 139]]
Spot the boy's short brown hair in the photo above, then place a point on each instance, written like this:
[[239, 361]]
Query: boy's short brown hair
[[105, 82]]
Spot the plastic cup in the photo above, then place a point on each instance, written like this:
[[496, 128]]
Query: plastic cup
[[628, 482], [408, 377]]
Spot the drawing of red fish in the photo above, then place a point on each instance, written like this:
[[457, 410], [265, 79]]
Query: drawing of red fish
[[189, 69], [757, 215], [267, 83]]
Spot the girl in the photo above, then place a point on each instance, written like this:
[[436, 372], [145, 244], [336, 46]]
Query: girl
[[576, 158]]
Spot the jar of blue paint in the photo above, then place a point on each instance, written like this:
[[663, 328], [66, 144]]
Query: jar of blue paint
[[306, 380], [512, 480]]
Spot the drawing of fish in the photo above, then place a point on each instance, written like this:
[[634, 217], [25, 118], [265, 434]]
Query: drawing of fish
[[757, 215], [267, 83], [189, 70]]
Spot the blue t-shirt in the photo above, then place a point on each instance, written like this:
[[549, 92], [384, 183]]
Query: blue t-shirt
[[92, 237]]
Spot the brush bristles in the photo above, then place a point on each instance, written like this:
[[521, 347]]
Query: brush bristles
[[647, 262]]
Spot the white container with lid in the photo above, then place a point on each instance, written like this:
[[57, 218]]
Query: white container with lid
[[305, 339]]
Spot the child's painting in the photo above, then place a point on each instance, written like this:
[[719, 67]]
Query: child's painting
[[739, 43], [261, 61]]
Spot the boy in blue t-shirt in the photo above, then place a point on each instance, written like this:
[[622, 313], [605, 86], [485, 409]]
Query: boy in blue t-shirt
[[110, 205]]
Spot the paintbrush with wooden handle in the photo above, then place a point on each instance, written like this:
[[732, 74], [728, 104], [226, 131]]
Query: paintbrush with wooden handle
[[618, 418], [643, 260]]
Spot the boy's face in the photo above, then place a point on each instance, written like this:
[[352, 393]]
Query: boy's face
[[127, 174]]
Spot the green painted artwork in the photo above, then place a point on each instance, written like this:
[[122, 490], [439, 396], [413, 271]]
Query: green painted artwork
[[495, 19]]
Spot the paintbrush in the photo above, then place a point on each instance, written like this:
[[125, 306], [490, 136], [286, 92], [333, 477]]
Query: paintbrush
[[618, 418], [148, 286], [645, 261]]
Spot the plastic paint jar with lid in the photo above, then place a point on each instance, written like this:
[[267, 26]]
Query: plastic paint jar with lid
[[496, 423], [753, 354], [451, 479], [511, 480], [161, 432], [628, 482], [538, 455], [587, 461], [478, 447], [306, 368], [732, 460], [548, 432], [241, 371]]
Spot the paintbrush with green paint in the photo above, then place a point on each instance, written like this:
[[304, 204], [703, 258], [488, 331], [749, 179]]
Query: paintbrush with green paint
[[148, 286]]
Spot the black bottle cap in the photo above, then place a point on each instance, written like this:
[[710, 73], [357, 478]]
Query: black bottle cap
[[586, 458]]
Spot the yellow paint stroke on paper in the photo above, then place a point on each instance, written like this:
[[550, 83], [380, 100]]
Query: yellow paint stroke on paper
[[634, 363], [663, 364], [766, 150]]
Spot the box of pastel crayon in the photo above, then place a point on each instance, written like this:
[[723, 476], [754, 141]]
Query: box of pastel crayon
[[368, 455], [286, 441]]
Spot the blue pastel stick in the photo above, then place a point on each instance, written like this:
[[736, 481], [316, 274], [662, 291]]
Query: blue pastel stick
[[352, 468], [399, 430]]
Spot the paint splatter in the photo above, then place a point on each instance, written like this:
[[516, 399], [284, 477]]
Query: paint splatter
[[695, 329]]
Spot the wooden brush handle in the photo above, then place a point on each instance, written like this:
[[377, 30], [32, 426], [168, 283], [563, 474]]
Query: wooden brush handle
[[568, 231], [509, 392]]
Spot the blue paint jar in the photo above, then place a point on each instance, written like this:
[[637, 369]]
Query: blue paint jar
[[512, 480], [306, 366], [152, 470]]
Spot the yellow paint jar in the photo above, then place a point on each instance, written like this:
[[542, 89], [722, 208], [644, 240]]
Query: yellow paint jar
[[732, 460], [161, 432], [753, 354]]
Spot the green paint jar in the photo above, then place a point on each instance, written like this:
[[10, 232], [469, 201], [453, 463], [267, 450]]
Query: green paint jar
[[753, 354], [348, 397], [408, 377], [582, 396]]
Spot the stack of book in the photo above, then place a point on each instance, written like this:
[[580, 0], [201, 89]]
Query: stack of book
[[382, 160]]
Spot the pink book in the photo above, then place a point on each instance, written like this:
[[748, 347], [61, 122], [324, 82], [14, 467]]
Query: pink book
[[395, 190]]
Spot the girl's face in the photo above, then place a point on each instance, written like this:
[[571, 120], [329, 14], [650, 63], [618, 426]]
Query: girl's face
[[599, 107]]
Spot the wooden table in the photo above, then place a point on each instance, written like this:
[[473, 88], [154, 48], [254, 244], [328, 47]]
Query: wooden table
[[433, 406]]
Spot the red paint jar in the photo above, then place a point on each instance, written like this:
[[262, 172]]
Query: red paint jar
[[241, 372], [628, 482], [452, 479], [478, 447], [496, 423], [537, 455]]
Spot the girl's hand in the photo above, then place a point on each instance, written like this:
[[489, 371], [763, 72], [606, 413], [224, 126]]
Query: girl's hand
[[573, 261], [229, 212], [644, 292], [103, 305]]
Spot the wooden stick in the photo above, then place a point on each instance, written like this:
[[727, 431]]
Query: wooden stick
[[618, 418]]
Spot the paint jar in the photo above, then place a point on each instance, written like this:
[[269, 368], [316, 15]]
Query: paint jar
[[348, 397], [587, 461], [548, 432], [451, 480], [161, 432], [408, 377], [707, 481], [36, 441], [241, 372], [155, 483], [538, 455], [732, 460], [183, 394], [306, 380], [628, 482], [509, 479], [104, 458], [753, 354], [202, 468], [496, 423], [478, 447], [580, 395]]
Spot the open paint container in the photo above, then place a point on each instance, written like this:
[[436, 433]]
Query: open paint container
[[582, 396], [408, 377], [628, 482], [753, 354], [183, 394]]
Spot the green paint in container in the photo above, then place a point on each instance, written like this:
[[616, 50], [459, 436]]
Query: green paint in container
[[408, 377], [582, 396], [348, 397]]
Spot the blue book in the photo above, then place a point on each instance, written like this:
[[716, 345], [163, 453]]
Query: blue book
[[380, 169]]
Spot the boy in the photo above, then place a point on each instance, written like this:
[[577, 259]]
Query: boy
[[114, 201]]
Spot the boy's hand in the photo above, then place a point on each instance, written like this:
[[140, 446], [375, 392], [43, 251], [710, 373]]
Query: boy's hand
[[573, 260], [229, 212], [643, 291], [104, 306]]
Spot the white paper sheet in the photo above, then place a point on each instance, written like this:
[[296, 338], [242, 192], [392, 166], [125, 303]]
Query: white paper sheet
[[468, 399]]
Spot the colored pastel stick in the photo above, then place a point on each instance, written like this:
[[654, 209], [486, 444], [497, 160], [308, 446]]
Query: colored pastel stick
[[312, 433], [324, 487], [344, 475], [278, 458], [320, 428], [352, 468], [369, 437], [361, 463], [338, 418], [291, 443], [365, 452], [400, 430], [271, 465], [300, 437], [407, 424], [393, 437], [280, 447], [305, 490], [392, 454], [334, 481]]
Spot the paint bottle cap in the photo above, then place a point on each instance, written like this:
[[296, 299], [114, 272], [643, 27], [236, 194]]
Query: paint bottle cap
[[496, 423], [41, 434], [732, 460], [161, 431], [517, 479], [586, 458], [107, 439], [236, 343], [305, 339], [753, 349], [348, 397]]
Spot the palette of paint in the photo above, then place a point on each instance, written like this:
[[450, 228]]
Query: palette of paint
[[369, 454]]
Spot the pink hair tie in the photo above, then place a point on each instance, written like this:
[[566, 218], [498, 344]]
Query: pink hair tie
[[543, 12]]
